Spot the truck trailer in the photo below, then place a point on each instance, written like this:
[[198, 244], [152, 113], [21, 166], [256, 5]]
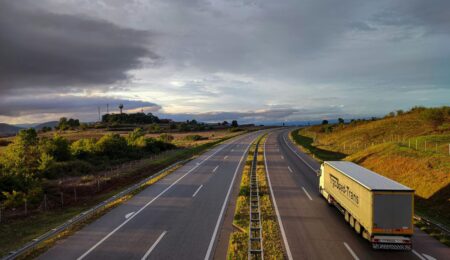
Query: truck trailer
[[378, 208]]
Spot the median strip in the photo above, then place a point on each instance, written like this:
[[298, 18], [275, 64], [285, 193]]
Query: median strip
[[271, 238]]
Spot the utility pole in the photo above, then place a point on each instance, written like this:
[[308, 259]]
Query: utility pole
[[99, 118], [107, 108]]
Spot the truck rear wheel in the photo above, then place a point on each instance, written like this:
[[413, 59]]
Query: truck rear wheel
[[366, 235], [352, 221], [357, 227], [347, 216]]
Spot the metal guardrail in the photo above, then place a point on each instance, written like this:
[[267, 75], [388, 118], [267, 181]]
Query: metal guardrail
[[436, 225], [255, 246], [87, 214]]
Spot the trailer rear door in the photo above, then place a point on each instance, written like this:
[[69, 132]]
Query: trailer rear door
[[392, 213]]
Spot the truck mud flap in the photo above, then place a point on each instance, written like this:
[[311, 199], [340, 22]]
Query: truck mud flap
[[385, 246]]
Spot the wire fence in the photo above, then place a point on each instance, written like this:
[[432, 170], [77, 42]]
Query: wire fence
[[417, 144]]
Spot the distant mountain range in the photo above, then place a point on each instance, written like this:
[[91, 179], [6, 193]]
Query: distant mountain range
[[8, 130]]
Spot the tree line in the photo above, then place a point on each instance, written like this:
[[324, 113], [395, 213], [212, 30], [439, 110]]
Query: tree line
[[30, 159]]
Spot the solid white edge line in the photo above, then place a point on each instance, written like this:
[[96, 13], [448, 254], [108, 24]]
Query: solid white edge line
[[283, 233], [307, 194], [418, 255], [282, 157], [195, 193], [215, 169], [226, 156], [153, 246], [307, 164], [351, 251], [148, 203], [289, 168], [222, 211]]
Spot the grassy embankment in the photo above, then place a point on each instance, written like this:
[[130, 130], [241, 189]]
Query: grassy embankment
[[238, 244], [19, 231], [388, 146]]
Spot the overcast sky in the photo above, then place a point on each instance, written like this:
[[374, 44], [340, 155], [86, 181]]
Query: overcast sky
[[255, 61]]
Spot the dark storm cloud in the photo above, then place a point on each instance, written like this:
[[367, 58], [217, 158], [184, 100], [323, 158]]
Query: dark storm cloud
[[21, 106], [43, 49], [433, 16]]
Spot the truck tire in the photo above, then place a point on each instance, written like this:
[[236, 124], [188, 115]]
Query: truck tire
[[357, 227], [330, 200], [366, 235], [352, 221], [347, 217]]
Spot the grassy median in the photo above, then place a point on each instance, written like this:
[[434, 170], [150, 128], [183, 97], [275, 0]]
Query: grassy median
[[238, 244]]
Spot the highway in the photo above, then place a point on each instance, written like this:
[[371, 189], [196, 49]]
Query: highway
[[310, 228], [179, 217]]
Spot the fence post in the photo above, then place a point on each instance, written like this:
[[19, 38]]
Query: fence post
[[98, 185], [26, 207], [436, 147], [409, 143], [416, 144]]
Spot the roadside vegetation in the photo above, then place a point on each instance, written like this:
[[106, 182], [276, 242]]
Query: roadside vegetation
[[238, 243], [410, 147]]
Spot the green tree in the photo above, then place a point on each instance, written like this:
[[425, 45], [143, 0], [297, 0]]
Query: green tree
[[113, 146], [341, 120], [324, 122], [234, 123], [22, 156], [58, 147], [82, 148]]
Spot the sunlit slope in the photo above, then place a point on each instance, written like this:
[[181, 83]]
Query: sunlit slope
[[411, 148]]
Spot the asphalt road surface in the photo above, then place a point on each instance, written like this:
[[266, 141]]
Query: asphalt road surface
[[310, 228], [178, 217]]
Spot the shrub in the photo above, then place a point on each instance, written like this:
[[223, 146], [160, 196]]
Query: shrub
[[133, 137], [83, 148], [57, 147], [155, 146], [194, 137], [166, 138], [436, 116], [235, 129], [113, 146], [70, 168]]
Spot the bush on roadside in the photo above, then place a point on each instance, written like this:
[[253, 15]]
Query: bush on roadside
[[166, 138], [194, 137], [83, 148], [113, 146], [69, 168], [57, 147]]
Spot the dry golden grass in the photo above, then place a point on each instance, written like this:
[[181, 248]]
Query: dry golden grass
[[388, 147]]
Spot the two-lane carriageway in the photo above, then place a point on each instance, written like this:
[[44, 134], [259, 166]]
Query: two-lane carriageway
[[178, 217], [310, 228]]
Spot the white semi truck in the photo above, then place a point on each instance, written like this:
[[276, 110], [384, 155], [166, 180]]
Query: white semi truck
[[378, 208]]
